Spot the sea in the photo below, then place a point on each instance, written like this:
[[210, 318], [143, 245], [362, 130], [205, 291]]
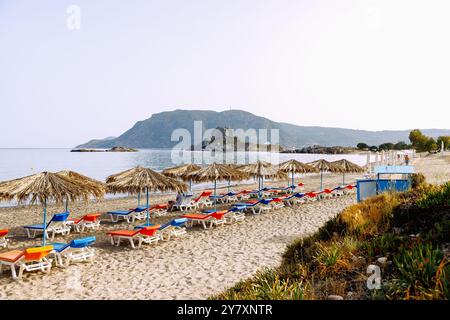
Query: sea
[[16, 163]]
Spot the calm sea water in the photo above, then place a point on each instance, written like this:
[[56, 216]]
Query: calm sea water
[[15, 163]]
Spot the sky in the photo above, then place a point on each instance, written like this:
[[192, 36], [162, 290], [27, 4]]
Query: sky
[[71, 71]]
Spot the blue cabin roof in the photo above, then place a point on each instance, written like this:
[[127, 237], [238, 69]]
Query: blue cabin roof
[[394, 169]]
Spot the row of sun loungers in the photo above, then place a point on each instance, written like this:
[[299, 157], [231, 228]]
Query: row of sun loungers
[[63, 254]]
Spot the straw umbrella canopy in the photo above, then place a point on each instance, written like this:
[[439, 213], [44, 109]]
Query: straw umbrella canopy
[[261, 170], [45, 187], [349, 167], [325, 166], [216, 172], [95, 186], [293, 166], [138, 179], [181, 172]]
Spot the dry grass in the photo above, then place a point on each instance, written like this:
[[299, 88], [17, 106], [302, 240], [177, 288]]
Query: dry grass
[[371, 216]]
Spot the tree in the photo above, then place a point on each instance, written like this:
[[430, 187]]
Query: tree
[[386, 146], [419, 141], [373, 148], [431, 145], [446, 140], [362, 146], [401, 145]]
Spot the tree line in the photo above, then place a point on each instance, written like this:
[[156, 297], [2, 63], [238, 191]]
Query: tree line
[[418, 141]]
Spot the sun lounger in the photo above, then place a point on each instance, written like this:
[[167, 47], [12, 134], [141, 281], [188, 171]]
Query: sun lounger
[[277, 203], [243, 195], [203, 200], [89, 221], [183, 203], [145, 234], [292, 199], [220, 198], [57, 225], [206, 220], [231, 215], [3, 239], [263, 205], [350, 189], [326, 194], [231, 197], [159, 210], [129, 215], [311, 196], [174, 228], [253, 205], [75, 251], [31, 259]]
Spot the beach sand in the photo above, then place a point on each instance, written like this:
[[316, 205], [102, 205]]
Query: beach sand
[[196, 266]]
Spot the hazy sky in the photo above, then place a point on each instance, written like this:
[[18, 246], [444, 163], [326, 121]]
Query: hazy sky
[[344, 63]]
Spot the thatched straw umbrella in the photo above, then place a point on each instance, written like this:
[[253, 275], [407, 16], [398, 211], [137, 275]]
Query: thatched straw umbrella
[[293, 166], [47, 186], [325, 166], [95, 186], [181, 172], [216, 172], [261, 170], [349, 167], [139, 179]]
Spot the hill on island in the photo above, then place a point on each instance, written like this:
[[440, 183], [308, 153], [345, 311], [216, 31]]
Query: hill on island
[[156, 131]]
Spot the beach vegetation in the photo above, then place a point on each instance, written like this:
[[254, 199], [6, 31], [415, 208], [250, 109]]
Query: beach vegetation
[[404, 234]]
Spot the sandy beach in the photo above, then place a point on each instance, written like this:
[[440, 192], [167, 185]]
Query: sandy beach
[[202, 263]]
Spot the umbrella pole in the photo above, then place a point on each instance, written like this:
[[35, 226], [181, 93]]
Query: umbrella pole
[[190, 186], [45, 222], [215, 195], [262, 185], [229, 184], [139, 198], [67, 204], [321, 180], [148, 210], [292, 180], [343, 178]]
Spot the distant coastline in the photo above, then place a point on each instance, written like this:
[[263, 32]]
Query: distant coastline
[[114, 149]]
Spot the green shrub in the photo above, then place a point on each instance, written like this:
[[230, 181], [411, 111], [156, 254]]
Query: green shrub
[[436, 198], [422, 273]]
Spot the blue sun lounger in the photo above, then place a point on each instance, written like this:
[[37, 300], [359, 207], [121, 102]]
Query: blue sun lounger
[[245, 206], [129, 215], [75, 251], [56, 225], [294, 197]]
